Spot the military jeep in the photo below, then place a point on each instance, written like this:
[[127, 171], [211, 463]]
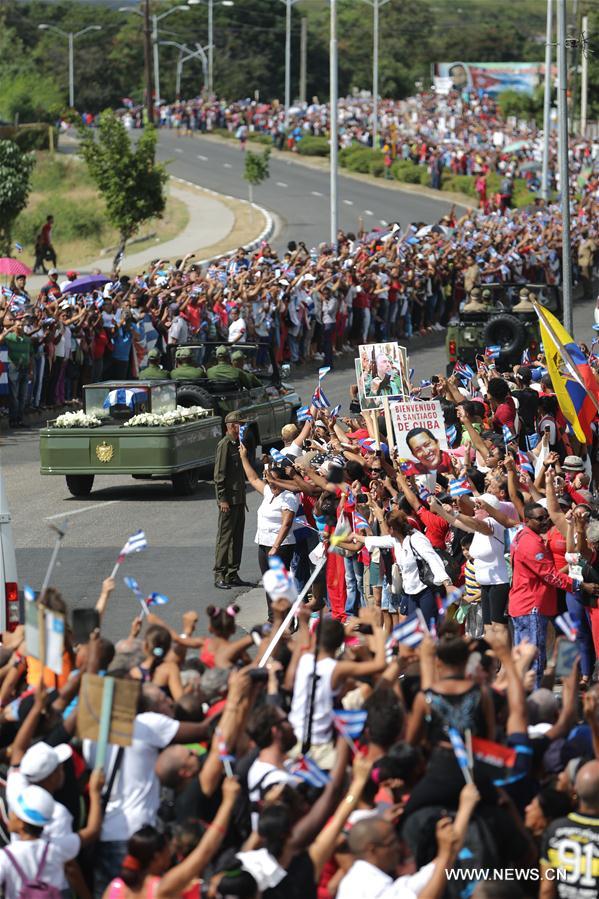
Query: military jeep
[[500, 325]]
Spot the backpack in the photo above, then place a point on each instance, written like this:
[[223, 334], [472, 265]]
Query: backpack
[[36, 888], [243, 808]]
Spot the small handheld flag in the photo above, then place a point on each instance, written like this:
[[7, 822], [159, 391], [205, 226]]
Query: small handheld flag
[[452, 434], [360, 522], [303, 414], [493, 352], [525, 357], [277, 581], [278, 457], [157, 599], [459, 487], [336, 410], [409, 632], [460, 753], [524, 463], [507, 435], [566, 626], [463, 370], [350, 722], [532, 441], [307, 770], [322, 372], [132, 584], [319, 400], [135, 543]]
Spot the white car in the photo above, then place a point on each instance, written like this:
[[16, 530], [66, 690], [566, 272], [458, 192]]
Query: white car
[[9, 599]]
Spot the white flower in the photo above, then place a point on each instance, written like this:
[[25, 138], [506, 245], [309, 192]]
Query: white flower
[[177, 416], [77, 420]]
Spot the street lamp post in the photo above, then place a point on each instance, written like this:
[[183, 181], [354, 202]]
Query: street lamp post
[[333, 89], [71, 38], [185, 54], [210, 4], [155, 20], [376, 5], [288, 5]]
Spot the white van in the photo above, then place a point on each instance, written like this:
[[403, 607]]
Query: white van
[[9, 586]]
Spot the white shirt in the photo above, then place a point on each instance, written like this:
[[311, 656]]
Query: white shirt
[[261, 776], [322, 721], [178, 332], [28, 854], [488, 553], [366, 881], [135, 795], [406, 559], [237, 330], [60, 829], [270, 516]]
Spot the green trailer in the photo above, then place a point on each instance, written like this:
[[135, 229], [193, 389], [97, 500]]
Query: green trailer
[[157, 449]]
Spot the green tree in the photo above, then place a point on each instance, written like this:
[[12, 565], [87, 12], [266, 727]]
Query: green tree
[[255, 169], [15, 183], [129, 178]]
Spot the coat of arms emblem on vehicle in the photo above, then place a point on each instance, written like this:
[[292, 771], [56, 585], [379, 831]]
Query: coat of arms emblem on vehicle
[[104, 452]]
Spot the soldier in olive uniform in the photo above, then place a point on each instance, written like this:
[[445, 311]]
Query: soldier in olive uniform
[[476, 303], [229, 482], [249, 379], [186, 369], [154, 371], [223, 370]]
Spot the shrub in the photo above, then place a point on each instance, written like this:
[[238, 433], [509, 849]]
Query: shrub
[[258, 137], [405, 171], [461, 184], [377, 168], [425, 176], [313, 146], [360, 158]]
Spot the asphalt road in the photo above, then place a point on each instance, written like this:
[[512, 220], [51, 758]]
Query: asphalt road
[[297, 194]]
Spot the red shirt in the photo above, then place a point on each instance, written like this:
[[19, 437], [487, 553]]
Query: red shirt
[[505, 414], [535, 578], [557, 544], [435, 527]]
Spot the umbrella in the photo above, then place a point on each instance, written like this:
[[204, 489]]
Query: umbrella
[[513, 148], [86, 283], [10, 266]]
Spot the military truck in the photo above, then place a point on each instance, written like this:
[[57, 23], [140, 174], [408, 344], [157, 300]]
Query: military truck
[[268, 405], [500, 324]]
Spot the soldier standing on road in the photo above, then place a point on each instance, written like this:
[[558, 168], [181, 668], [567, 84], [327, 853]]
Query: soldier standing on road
[[229, 482]]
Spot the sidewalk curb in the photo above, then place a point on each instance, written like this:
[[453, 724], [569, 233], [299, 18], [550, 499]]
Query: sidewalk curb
[[264, 235]]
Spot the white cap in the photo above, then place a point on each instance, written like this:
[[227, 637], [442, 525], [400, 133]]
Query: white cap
[[34, 806], [41, 760]]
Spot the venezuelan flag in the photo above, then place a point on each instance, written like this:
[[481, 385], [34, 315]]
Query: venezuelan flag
[[573, 381]]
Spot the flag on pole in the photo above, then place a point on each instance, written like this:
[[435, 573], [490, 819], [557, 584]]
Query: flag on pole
[[460, 753], [307, 770], [336, 410], [304, 414], [525, 357], [459, 487], [360, 521], [323, 372], [350, 722], [132, 584], [135, 543], [277, 581], [571, 375], [319, 400], [567, 626], [410, 632], [493, 352], [507, 435], [532, 441], [452, 434], [278, 457], [463, 370], [157, 599], [524, 463]]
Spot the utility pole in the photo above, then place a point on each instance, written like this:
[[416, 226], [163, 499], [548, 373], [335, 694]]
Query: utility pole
[[288, 5], [303, 59], [71, 72], [156, 58], [376, 5], [545, 189], [584, 84], [210, 47], [564, 172], [147, 63], [333, 89]]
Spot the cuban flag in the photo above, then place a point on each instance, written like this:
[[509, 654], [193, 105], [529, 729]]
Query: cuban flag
[[459, 487], [304, 414], [463, 371], [524, 463], [223, 751], [4, 387], [525, 357], [278, 457], [360, 521], [460, 753], [336, 410], [426, 383], [410, 632], [369, 443], [148, 337], [157, 599], [124, 396], [132, 584], [424, 493], [307, 770], [452, 434], [566, 626], [350, 723], [319, 400], [532, 441], [134, 544], [493, 352], [507, 435], [18, 247], [323, 372]]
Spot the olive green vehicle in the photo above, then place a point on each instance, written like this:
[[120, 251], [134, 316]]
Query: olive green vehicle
[[500, 316], [181, 452]]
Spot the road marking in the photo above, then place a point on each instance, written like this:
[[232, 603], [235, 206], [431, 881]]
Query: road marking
[[227, 165], [349, 202], [178, 150], [110, 502], [316, 193], [368, 212], [384, 222], [281, 184], [203, 158]]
